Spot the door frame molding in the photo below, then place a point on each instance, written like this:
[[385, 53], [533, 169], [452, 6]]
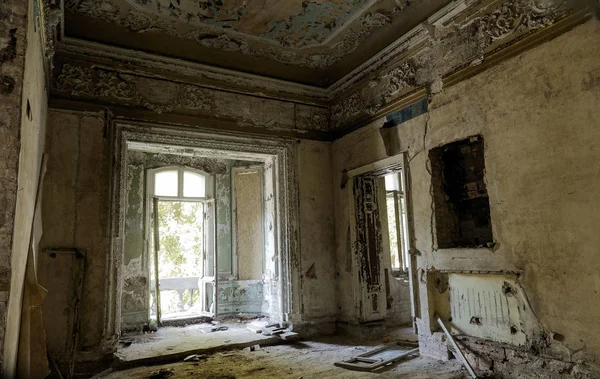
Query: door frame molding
[[378, 169], [277, 153]]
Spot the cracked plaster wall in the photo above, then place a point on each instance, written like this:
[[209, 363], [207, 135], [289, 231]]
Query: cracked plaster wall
[[539, 118]]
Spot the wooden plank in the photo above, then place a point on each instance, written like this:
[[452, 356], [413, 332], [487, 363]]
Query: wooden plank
[[457, 349], [371, 364]]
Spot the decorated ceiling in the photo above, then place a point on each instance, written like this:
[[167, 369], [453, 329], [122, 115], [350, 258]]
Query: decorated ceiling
[[306, 41]]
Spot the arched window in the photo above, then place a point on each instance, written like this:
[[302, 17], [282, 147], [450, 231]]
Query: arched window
[[181, 234], [181, 183]]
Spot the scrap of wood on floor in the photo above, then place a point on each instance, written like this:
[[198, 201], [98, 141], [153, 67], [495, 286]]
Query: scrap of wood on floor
[[280, 330], [379, 357]]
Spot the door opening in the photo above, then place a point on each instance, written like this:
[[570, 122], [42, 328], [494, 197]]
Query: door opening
[[183, 265], [381, 235]]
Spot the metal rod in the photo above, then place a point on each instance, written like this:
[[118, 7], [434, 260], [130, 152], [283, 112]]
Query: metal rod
[[457, 349]]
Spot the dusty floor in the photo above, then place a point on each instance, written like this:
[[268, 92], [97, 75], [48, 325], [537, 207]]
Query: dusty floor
[[173, 343], [301, 360]]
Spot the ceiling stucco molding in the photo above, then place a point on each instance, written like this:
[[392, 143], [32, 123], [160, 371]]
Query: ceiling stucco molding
[[318, 55], [464, 37], [451, 47]]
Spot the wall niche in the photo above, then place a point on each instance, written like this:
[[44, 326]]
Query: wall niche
[[462, 207]]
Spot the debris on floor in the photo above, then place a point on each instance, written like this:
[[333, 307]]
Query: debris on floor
[[457, 351], [152, 326], [162, 373], [213, 329], [379, 357], [195, 357], [281, 330], [252, 348]]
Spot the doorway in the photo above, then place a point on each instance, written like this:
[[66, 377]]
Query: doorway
[[221, 290], [181, 236], [381, 234]]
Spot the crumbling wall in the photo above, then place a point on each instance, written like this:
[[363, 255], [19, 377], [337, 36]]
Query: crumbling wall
[[317, 266], [23, 105], [538, 115]]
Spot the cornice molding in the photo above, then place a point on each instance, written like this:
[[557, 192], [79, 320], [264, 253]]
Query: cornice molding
[[196, 73], [459, 41], [454, 44]]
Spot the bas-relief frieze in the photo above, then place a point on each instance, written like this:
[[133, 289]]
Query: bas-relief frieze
[[153, 94], [501, 23], [284, 48], [91, 83]]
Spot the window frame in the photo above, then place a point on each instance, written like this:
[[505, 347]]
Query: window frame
[[401, 223], [209, 183]]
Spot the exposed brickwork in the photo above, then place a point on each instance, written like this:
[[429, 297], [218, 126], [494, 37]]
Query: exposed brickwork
[[12, 58]]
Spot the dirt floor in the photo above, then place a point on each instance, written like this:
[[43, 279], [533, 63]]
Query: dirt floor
[[300, 360]]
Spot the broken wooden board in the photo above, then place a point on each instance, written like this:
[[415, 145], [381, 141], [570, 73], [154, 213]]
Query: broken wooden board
[[272, 330], [378, 357]]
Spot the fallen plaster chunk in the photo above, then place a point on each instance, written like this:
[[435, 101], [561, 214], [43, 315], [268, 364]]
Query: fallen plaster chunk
[[253, 348], [195, 357]]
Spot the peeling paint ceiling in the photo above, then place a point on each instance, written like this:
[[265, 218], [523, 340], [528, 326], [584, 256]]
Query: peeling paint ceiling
[[307, 41]]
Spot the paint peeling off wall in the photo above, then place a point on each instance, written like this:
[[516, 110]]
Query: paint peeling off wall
[[224, 241], [486, 306], [241, 296]]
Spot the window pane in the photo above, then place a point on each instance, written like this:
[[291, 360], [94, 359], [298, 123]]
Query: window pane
[[193, 185], [392, 183], [165, 183]]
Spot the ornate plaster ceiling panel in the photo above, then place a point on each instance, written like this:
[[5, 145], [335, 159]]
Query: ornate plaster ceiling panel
[[308, 41]]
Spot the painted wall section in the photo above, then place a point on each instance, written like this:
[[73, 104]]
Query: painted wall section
[[75, 213], [249, 229], [539, 117], [33, 104]]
